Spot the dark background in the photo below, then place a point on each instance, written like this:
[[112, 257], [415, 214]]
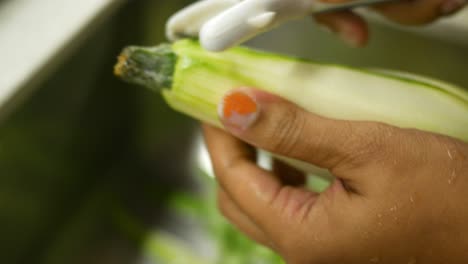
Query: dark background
[[85, 146]]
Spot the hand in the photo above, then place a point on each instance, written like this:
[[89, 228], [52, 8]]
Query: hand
[[352, 28], [400, 195]]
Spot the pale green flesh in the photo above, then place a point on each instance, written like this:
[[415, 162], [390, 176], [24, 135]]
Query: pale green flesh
[[201, 79]]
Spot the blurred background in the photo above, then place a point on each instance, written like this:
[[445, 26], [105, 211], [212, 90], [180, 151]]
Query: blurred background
[[93, 170]]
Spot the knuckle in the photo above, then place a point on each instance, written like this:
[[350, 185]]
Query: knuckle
[[231, 168], [281, 198], [228, 166], [368, 142], [379, 140], [292, 204], [287, 131], [232, 164]]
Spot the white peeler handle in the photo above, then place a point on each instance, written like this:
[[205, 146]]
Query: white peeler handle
[[221, 24]]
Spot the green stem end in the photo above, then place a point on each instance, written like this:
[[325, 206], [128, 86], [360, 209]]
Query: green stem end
[[152, 67]]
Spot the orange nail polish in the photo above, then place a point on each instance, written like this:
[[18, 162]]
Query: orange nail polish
[[238, 110]]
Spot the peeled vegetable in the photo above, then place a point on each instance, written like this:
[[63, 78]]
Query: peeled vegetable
[[193, 81]]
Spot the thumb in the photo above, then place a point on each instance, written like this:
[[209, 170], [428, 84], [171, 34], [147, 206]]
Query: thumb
[[269, 122]]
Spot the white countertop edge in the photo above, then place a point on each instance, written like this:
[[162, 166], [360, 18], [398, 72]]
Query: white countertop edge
[[36, 35]]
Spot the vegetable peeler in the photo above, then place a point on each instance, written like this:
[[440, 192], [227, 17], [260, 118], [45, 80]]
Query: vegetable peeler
[[221, 24]]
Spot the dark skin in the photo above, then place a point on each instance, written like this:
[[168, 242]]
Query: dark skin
[[399, 196], [353, 29]]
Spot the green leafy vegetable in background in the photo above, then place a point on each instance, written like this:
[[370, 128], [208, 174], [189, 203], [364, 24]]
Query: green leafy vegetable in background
[[228, 244]]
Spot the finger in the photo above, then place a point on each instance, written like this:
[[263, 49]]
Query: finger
[[418, 11], [274, 124], [257, 192], [288, 175], [234, 167], [232, 212], [350, 27]]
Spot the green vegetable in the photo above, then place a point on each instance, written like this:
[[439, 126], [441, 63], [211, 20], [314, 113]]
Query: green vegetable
[[193, 81], [195, 213]]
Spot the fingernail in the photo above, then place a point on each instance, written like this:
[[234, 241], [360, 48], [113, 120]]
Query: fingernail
[[350, 38], [238, 110], [450, 6]]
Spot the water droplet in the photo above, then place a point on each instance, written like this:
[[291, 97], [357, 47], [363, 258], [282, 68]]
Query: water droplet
[[374, 260], [449, 154], [411, 199], [452, 178]]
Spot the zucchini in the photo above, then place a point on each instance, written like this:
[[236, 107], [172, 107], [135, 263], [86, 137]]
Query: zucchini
[[193, 81]]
